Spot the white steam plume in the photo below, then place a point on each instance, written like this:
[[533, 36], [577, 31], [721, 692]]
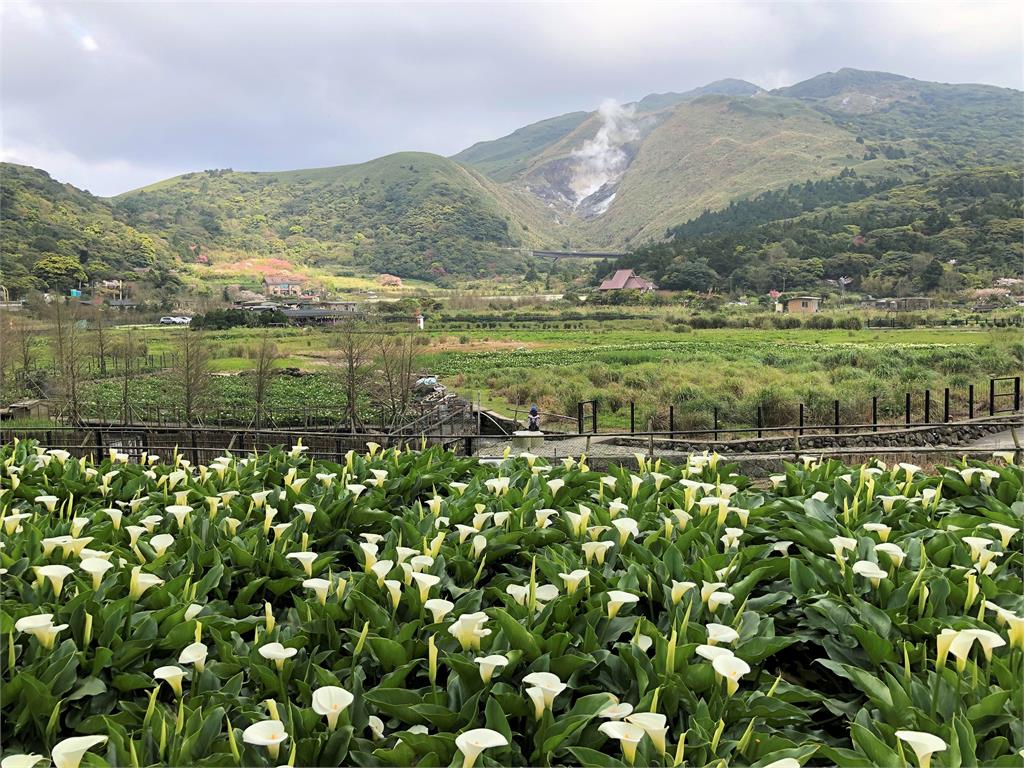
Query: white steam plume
[[602, 158]]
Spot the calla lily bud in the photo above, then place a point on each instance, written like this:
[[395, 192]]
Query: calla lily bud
[[432, 660]]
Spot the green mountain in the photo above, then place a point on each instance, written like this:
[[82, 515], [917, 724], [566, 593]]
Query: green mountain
[[616, 179], [412, 214], [56, 236], [503, 158], [938, 124], [728, 87], [953, 230], [613, 179]]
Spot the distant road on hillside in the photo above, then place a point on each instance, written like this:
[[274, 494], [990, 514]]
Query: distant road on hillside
[[575, 255]]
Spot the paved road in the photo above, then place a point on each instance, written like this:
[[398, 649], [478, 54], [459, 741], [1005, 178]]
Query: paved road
[[1001, 441]]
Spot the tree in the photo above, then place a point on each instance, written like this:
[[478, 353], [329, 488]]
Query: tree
[[128, 350], [7, 353], [101, 339], [354, 345], [17, 347], [66, 348], [689, 276], [59, 271], [396, 358], [191, 373], [931, 275], [265, 355]]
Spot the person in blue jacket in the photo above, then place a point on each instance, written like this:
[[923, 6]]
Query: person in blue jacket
[[533, 422]]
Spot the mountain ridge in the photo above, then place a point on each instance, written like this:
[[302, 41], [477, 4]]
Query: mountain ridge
[[613, 178]]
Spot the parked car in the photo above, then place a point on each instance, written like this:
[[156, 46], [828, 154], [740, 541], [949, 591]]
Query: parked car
[[175, 320]]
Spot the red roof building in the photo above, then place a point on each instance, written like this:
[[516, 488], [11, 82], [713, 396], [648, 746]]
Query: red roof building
[[626, 280]]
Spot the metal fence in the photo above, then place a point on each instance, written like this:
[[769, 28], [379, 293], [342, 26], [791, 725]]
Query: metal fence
[[1000, 395]]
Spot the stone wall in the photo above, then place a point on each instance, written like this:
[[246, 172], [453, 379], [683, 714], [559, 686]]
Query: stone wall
[[931, 436]]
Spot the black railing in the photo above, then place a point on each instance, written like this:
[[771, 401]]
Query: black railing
[[1004, 397]]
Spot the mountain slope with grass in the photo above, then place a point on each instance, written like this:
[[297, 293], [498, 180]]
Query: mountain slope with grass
[[623, 175]]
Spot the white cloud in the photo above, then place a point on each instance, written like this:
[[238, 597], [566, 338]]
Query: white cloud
[[121, 90], [106, 177]]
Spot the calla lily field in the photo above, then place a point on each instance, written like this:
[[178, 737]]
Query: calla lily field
[[400, 608]]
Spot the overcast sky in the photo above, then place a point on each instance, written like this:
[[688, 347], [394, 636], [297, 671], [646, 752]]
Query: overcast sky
[[112, 96]]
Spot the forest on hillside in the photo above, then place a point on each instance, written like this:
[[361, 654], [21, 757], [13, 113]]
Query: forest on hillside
[[55, 237], [416, 221], [947, 232]]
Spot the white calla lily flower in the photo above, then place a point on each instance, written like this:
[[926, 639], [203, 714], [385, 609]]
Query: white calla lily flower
[[655, 725], [305, 559], [172, 675], [617, 598], [549, 685], [627, 734], [161, 543], [266, 733], [573, 579], [439, 608], [731, 668], [490, 664], [924, 745], [21, 761], [869, 570], [330, 701], [69, 752], [277, 653], [95, 567], [471, 743], [321, 588], [194, 654], [720, 633]]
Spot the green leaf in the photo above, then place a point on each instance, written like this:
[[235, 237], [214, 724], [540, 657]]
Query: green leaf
[[517, 635], [876, 749], [91, 686]]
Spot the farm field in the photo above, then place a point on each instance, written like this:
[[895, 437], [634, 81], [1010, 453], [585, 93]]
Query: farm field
[[426, 609], [733, 370]]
